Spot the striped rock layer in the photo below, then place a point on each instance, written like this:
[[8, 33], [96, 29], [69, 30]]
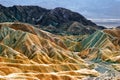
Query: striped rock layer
[[28, 53]]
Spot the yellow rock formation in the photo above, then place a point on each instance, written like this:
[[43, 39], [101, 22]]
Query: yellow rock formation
[[28, 53]]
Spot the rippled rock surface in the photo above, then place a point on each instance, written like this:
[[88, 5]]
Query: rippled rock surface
[[28, 53]]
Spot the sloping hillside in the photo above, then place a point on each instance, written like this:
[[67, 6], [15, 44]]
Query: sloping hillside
[[33, 54], [30, 53], [57, 21]]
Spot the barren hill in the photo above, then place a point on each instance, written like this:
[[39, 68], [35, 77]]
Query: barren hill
[[33, 54]]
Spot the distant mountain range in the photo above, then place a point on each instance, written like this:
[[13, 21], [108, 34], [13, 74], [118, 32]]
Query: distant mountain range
[[95, 9], [58, 20]]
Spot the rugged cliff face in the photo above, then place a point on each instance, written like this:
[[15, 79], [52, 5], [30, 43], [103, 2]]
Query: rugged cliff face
[[58, 20], [30, 53]]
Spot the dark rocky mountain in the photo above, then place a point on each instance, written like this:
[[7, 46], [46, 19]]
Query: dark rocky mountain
[[118, 27], [58, 20]]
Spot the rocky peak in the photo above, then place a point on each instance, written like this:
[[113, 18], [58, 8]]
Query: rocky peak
[[59, 18], [2, 7]]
